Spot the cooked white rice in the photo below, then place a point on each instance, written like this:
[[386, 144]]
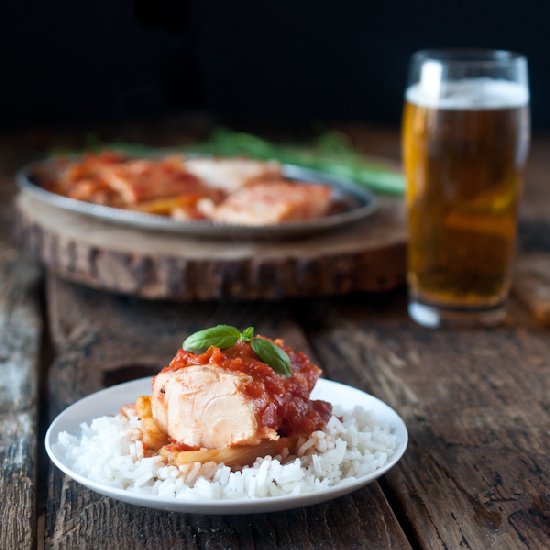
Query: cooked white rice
[[352, 444]]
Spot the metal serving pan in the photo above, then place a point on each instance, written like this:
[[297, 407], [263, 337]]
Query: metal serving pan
[[359, 203]]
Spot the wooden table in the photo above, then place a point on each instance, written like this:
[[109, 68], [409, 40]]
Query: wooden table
[[476, 402]]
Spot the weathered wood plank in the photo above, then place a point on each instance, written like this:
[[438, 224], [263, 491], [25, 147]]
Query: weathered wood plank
[[532, 284], [386, 341], [98, 338], [87, 520], [477, 472], [20, 329]]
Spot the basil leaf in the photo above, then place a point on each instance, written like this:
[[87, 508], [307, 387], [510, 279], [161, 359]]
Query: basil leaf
[[221, 336], [247, 334], [273, 355]]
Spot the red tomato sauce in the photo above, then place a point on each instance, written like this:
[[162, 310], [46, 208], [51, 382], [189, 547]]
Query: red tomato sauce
[[177, 446], [281, 402]]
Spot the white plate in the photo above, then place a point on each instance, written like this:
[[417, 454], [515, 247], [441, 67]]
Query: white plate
[[108, 401]]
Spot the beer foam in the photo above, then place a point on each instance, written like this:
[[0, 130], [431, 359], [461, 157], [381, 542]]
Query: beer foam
[[468, 93]]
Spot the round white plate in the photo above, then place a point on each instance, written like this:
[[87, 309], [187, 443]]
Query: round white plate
[[107, 402]]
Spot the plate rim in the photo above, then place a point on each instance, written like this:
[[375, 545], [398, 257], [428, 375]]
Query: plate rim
[[223, 506], [208, 228]]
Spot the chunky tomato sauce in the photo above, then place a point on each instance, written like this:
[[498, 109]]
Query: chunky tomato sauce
[[177, 446], [281, 402]]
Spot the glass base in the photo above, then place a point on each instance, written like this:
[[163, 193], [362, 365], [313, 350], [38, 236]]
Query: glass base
[[444, 317]]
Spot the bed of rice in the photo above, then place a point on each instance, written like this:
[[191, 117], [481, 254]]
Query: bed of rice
[[353, 444]]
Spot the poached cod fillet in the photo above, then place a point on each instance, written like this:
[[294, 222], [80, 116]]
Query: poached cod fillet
[[274, 202], [232, 173], [204, 406], [220, 399]]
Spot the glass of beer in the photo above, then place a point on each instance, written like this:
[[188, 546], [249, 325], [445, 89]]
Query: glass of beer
[[465, 142]]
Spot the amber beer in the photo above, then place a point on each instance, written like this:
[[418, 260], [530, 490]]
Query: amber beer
[[464, 158]]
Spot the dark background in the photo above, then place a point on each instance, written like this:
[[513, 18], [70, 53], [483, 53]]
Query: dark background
[[282, 62]]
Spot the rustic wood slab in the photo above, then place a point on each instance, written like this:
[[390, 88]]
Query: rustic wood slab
[[476, 403], [367, 256], [477, 471], [104, 339]]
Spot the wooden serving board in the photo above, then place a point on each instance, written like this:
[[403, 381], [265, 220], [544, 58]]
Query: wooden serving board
[[367, 256]]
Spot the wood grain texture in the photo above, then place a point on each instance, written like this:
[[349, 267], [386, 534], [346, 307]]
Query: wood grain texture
[[532, 284], [20, 329], [90, 521], [476, 403], [367, 256], [477, 471], [104, 339]]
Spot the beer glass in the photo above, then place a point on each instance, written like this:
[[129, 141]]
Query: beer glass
[[465, 141]]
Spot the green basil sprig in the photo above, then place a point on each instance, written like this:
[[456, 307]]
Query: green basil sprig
[[276, 357], [221, 336], [225, 336], [247, 334]]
